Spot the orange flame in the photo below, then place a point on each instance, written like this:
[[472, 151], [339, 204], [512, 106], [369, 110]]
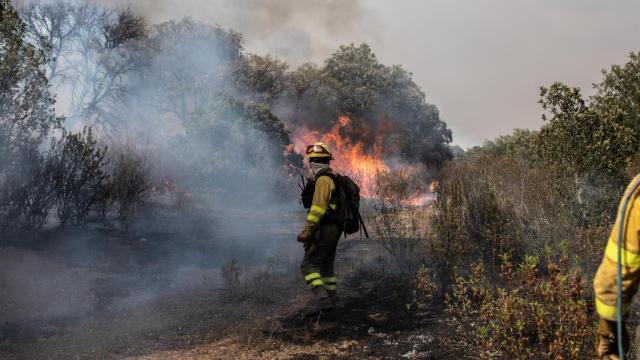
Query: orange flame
[[350, 157], [353, 158]]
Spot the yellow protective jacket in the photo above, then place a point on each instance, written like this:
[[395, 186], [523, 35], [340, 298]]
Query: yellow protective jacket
[[604, 283], [321, 202]]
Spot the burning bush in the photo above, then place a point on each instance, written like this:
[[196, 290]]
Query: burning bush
[[372, 115], [528, 316]]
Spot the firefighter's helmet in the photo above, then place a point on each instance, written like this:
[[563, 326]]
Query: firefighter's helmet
[[319, 150]]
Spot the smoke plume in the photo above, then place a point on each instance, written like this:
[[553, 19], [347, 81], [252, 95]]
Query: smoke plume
[[295, 30]]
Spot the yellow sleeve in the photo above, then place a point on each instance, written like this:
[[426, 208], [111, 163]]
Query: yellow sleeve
[[321, 198], [605, 281]]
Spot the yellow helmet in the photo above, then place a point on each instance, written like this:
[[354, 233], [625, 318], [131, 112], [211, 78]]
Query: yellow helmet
[[319, 150]]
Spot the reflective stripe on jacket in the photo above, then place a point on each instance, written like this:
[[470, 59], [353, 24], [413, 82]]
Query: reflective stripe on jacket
[[604, 283]]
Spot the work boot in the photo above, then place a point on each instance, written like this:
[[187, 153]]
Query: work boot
[[317, 306]]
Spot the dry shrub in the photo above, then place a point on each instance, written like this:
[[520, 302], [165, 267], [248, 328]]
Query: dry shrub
[[130, 180], [492, 205], [400, 228], [493, 210], [448, 231], [397, 186], [529, 316], [231, 276], [263, 285], [402, 234]]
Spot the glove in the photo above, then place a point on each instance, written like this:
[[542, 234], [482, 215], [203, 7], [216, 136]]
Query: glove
[[304, 236], [607, 340]]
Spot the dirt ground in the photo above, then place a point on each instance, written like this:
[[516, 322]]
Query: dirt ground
[[100, 293]]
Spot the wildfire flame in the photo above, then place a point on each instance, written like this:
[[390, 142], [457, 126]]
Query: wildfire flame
[[353, 158], [350, 157]]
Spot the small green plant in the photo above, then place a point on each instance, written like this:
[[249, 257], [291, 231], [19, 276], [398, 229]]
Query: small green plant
[[424, 288], [527, 316]]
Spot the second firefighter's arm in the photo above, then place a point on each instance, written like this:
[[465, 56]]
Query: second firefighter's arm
[[322, 195], [605, 281]]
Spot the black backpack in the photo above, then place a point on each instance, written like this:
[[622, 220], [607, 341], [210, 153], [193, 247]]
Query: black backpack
[[347, 196]]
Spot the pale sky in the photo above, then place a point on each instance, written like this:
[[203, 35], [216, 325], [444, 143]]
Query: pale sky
[[481, 62]]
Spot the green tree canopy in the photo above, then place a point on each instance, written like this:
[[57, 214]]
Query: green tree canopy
[[582, 138], [380, 100], [26, 105]]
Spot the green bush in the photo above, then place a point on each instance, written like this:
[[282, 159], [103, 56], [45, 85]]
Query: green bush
[[527, 316]]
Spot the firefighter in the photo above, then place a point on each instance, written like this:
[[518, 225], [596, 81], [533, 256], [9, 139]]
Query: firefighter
[[605, 281], [320, 234]]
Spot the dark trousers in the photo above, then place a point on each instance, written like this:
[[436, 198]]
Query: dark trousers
[[319, 255]]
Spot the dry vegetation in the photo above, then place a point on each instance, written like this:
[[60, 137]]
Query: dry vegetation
[[515, 233], [516, 280]]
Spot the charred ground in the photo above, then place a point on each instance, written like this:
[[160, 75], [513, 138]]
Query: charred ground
[[117, 299]]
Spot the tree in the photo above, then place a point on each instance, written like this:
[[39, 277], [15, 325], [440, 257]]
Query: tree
[[360, 78], [26, 116], [383, 103], [91, 51], [620, 88], [583, 139], [212, 102], [191, 68], [263, 77], [521, 144], [311, 96]]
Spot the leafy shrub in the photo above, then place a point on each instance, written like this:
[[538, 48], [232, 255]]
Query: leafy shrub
[[424, 288], [29, 202], [529, 316], [76, 167]]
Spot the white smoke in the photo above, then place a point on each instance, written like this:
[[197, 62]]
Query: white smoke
[[295, 30]]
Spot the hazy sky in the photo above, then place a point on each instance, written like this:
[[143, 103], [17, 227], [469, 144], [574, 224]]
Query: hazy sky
[[480, 61]]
